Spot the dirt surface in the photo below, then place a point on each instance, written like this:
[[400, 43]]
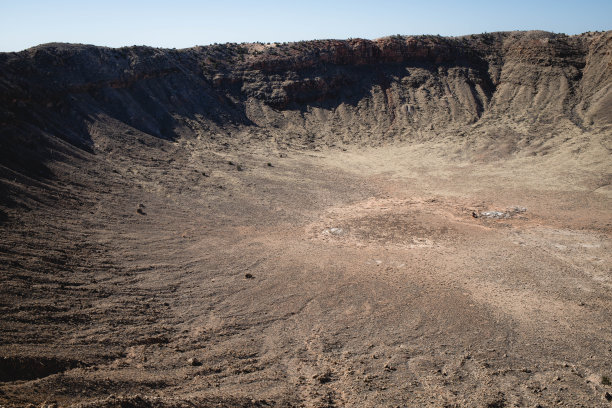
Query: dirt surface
[[329, 278], [300, 228]]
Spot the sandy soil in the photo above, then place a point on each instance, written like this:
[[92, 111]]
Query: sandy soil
[[327, 277]]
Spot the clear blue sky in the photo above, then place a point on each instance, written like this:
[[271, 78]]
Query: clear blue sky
[[184, 23]]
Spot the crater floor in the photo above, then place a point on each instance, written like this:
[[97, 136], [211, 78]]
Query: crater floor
[[265, 276]]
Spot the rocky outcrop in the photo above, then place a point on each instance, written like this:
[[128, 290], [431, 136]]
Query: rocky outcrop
[[353, 90]]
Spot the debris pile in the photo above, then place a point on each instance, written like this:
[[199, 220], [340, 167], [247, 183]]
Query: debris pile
[[508, 213], [333, 231]]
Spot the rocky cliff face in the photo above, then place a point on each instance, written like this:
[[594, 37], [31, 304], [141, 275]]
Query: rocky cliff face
[[396, 88]]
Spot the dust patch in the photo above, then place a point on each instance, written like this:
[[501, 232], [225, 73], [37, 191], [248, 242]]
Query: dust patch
[[395, 223]]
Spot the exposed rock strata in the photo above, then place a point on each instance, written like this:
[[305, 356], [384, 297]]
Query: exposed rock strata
[[392, 88]]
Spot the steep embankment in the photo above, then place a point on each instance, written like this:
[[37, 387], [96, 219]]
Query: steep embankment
[[392, 88]]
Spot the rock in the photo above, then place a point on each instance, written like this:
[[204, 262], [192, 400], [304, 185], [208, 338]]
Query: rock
[[333, 231], [608, 396], [323, 378], [494, 214], [516, 210], [508, 213], [194, 362], [248, 276]]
